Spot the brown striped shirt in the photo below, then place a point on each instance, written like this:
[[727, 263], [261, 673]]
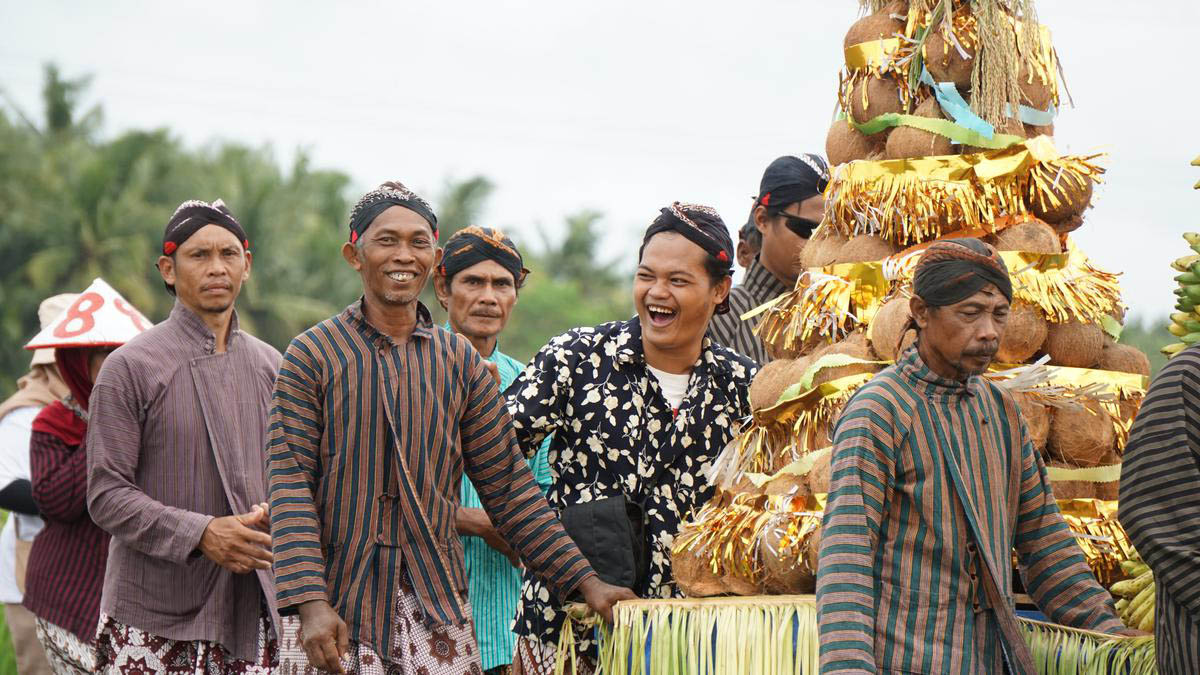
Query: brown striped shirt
[[175, 438], [934, 484], [1160, 506], [368, 442], [758, 287]]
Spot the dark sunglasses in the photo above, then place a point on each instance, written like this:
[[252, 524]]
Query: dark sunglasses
[[802, 227]]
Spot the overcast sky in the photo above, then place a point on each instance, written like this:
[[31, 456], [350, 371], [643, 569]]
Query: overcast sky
[[617, 106]]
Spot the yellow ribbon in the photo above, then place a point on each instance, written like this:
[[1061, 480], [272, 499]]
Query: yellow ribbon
[[873, 54], [1096, 474]]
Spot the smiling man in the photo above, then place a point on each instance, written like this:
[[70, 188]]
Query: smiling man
[[478, 284], [638, 410], [935, 482], [377, 416], [177, 469]]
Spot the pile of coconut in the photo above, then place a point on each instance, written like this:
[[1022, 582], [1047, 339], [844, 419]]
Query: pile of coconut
[[772, 549], [948, 60]]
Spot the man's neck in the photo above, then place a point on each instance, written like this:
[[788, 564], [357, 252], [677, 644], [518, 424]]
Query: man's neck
[[394, 321], [677, 361], [486, 346], [218, 323], [782, 279]]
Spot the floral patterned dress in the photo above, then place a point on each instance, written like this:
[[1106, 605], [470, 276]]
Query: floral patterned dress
[[614, 432]]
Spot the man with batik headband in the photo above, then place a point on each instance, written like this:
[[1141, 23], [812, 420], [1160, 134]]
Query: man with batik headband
[[935, 482], [177, 469], [638, 410], [789, 206], [377, 415], [478, 283]]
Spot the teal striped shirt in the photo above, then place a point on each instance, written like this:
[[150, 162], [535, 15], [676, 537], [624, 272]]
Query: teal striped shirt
[[493, 584], [934, 484]]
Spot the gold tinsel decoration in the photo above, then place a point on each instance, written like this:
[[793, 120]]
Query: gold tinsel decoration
[[913, 201]]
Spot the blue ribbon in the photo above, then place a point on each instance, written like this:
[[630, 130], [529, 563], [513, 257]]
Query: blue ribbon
[[956, 107]]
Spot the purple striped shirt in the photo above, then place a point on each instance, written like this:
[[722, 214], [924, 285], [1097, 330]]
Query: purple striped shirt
[[177, 436]]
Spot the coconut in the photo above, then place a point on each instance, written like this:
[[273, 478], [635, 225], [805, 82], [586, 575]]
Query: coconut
[[694, 576], [1071, 489], [865, 248], [786, 571], [1023, 335], [739, 586], [1128, 407], [844, 143], [1074, 344], [1011, 127], [887, 327], [855, 347], [906, 142], [945, 63], [789, 485], [1081, 436], [1031, 237], [1034, 93], [773, 378], [1037, 418], [1073, 199], [823, 248], [882, 96], [1033, 130], [1109, 491], [877, 26], [819, 476], [1124, 358]]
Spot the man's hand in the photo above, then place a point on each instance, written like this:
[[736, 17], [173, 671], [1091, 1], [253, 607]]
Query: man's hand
[[324, 636], [601, 597], [239, 543], [476, 523]]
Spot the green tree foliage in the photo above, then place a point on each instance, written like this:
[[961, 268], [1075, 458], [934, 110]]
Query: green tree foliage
[[75, 206], [1149, 335]]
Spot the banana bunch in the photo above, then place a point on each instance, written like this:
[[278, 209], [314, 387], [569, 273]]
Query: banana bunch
[[1185, 322], [1135, 595]]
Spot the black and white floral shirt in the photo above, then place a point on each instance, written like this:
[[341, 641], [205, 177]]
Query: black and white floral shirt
[[614, 431]]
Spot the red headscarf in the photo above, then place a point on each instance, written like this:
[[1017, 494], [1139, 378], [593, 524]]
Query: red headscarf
[[57, 419]]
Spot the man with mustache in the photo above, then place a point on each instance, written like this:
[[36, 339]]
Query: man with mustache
[[478, 284], [934, 483], [377, 414], [177, 470]]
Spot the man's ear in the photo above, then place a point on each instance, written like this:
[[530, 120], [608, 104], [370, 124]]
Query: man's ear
[[350, 253], [761, 220], [441, 289], [722, 289], [249, 264], [166, 267], [919, 311]]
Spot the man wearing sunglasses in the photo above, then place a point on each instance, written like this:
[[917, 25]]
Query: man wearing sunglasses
[[789, 206]]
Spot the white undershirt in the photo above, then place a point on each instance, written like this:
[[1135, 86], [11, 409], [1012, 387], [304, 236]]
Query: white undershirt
[[674, 387]]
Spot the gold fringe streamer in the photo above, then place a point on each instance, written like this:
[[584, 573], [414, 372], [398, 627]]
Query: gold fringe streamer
[[912, 201], [1097, 531]]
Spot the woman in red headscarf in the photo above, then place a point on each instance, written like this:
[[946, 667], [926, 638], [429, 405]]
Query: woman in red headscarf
[[66, 565]]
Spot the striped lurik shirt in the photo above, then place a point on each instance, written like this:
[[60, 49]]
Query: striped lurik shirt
[[758, 287], [494, 585], [934, 483], [368, 442], [65, 572], [1160, 506]]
